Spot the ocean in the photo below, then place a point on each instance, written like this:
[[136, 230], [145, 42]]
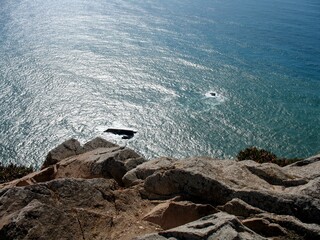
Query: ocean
[[201, 77]]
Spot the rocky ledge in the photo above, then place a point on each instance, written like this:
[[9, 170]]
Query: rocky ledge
[[103, 191]]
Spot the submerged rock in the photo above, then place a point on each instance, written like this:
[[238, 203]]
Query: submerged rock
[[126, 133]]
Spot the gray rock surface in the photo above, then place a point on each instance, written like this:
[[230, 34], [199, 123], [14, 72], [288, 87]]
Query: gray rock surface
[[103, 191], [176, 213], [293, 225], [218, 182], [66, 149], [71, 209], [116, 163], [240, 208], [57, 208], [73, 147], [217, 226], [98, 142], [307, 169], [264, 227], [97, 158]]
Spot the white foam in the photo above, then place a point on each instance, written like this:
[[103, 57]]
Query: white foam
[[214, 95], [211, 94]]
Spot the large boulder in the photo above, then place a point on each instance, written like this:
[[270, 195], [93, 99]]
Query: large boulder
[[73, 147], [66, 149], [219, 181], [259, 220], [101, 162], [264, 227], [240, 208], [57, 209], [217, 226], [72, 209], [307, 169], [103, 191], [172, 214], [97, 158]]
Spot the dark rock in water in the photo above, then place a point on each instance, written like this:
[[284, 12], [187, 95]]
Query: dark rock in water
[[127, 134], [213, 94]]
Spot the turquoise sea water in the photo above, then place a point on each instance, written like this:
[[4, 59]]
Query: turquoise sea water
[[72, 68]]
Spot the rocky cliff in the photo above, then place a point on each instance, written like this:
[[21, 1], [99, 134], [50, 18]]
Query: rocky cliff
[[103, 191]]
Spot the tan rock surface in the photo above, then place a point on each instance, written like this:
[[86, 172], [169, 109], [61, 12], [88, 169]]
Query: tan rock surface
[[81, 195], [217, 226], [171, 214], [73, 209], [219, 181]]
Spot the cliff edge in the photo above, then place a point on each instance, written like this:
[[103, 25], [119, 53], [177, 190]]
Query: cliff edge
[[103, 191]]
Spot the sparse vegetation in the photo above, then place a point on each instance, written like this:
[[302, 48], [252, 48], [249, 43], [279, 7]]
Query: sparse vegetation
[[264, 156], [12, 171]]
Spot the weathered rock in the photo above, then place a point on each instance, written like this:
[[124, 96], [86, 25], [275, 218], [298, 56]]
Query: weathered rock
[[172, 214], [307, 169], [31, 223], [307, 161], [274, 174], [153, 236], [217, 226], [44, 175], [27, 211], [111, 162], [98, 158], [239, 208], [80, 195], [305, 208], [66, 149], [72, 147], [218, 182], [117, 163], [264, 227], [72, 209], [98, 142], [293, 225], [146, 169], [311, 189]]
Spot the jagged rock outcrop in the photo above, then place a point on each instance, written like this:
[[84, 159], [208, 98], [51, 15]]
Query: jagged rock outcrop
[[171, 214], [73, 147], [217, 226], [103, 191], [218, 182], [72, 209], [97, 158]]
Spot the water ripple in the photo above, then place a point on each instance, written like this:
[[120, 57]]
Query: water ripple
[[72, 68]]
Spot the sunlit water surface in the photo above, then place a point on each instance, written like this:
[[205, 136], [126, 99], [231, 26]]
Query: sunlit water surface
[[73, 68]]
